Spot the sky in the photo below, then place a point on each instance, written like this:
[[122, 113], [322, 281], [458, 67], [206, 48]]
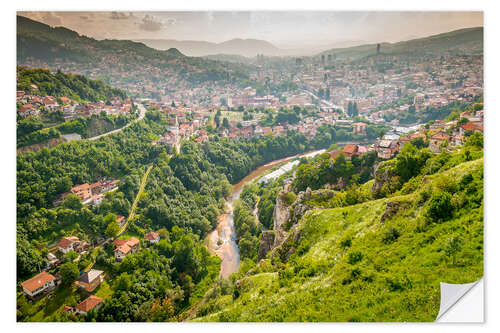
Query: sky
[[284, 29]]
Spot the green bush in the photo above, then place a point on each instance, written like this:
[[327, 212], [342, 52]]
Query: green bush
[[440, 206], [391, 235], [354, 257]]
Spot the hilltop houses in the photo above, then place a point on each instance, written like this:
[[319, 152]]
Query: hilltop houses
[[67, 244], [437, 141]]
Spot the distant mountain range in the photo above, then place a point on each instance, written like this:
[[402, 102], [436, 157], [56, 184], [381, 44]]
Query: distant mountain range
[[468, 40], [243, 47], [463, 41], [120, 60]]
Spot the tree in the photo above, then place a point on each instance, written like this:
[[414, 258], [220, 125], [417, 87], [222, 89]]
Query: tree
[[452, 247], [112, 229], [28, 260], [70, 256], [69, 272], [225, 123], [72, 202], [440, 206]]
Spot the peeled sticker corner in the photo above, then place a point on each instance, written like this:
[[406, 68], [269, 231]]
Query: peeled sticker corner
[[452, 294]]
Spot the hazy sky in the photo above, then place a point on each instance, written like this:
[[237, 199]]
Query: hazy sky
[[285, 29]]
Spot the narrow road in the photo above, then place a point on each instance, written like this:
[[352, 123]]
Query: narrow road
[[130, 216], [134, 205], [142, 113]]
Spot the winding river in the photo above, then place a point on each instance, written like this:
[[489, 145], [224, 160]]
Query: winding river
[[222, 240]]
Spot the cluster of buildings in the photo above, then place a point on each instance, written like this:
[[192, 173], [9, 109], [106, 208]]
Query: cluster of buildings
[[31, 105], [431, 82], [90, 193], [89, 280], [441, 135]]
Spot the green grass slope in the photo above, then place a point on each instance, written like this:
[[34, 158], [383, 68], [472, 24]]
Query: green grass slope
[[348, 265]]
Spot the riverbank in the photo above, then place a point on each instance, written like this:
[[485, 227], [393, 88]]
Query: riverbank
[[222, 240]]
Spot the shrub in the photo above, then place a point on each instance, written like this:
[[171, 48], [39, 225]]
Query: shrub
[[346, 241], [452, 247], [289, 198], [440, 206], [391, 235], [355, 257]]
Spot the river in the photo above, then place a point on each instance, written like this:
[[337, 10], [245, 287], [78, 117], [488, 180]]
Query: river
[[222, 240]]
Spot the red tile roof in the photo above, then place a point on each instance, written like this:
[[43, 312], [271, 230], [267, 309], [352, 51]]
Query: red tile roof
[[350, 149], [89, 303], [67, 241], [37, 281], [82, 187], [152, 236]]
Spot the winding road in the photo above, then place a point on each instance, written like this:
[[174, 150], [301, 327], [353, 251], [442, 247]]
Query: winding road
[[142, 113]]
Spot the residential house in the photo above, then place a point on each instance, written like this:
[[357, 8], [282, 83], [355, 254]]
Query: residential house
[[359, 128], [90, 303], [125, 246], [90, 280], [121, 220], [386, 148], [52, 260], [67, 244], [152, 237], [82, 191], [38, 284], [28, 110], [350, 150], [437, 140], [475, 127]]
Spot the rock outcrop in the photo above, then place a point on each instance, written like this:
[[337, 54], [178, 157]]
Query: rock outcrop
[[392, 208], [281, 215], [266, 243], [384, 172]]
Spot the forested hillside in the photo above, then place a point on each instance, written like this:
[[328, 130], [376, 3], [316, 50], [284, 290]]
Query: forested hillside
[[74, 86], [40, 42]]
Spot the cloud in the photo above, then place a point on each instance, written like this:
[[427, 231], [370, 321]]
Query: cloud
[[149, 23], [51, 19], [171, 21], [120, 15]]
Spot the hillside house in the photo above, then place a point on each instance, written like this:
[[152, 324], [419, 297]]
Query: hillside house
[[437, 140], [359, 128], [152, 237], [90, 280], [39, 284], [386, 148], [125, 246], [90, 303], [67, 244], [28, 110], [82, 191]]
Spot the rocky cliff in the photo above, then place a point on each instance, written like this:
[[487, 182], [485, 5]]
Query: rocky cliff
[[288, 212]]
